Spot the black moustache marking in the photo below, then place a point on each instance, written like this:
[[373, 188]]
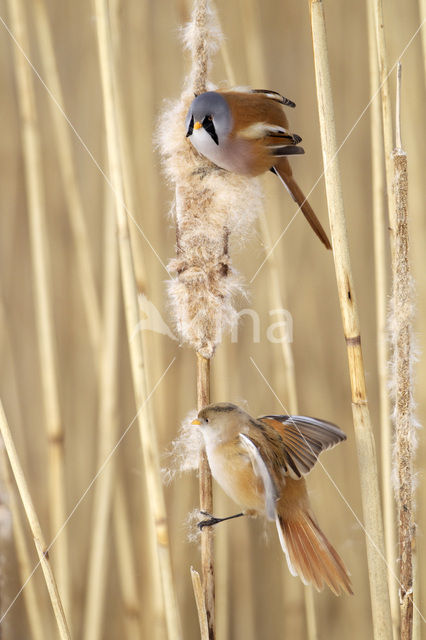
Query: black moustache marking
[[191, 127], [209, 127]]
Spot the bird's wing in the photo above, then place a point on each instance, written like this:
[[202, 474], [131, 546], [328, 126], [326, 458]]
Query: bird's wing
[[261, 470], [302, 440], [274, 134], [274, 95]]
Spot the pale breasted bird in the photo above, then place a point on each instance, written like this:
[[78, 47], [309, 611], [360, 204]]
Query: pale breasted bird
[[247, 132], [261, 464]]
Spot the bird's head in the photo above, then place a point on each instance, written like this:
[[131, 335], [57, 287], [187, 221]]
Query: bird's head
[[210, 112]]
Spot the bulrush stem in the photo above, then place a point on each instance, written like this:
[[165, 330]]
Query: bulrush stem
[[380, 239], [35, 527], [206, 501], [199, 81], [405, 438], [137, 356], [42, 296], [361, 415]]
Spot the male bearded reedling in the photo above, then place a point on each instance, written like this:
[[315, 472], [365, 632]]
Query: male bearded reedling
[[247, 132], [260, 464]]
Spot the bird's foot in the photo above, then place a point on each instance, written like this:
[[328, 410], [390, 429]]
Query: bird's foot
[[212, 520]]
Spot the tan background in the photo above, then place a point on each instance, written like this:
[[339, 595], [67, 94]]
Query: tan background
[[263, 600]]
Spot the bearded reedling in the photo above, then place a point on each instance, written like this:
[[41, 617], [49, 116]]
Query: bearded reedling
[[261, 464]]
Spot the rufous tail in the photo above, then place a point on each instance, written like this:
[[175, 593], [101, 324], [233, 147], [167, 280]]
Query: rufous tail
[[310, 555], [282, 169]]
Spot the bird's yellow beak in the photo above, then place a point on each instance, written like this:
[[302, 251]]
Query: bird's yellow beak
[[196, 422], [197, 125]]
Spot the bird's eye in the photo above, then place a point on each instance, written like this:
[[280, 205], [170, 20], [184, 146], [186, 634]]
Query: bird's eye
[[207, 419]]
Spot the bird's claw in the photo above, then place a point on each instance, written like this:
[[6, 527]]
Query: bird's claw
[[209, 522]]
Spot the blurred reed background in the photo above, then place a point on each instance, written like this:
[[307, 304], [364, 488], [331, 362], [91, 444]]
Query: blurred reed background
[[256, 597]]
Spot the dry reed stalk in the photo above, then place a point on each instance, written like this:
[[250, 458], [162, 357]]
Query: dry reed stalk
[[380, 224], [386, 115], [125, 154], [126, 563], [422, 11], [361, 416], [25, 565], [258, 77], [69, 177], [42, 297], [137, 356], [206, 504], [405, 437], [34, 523], [107, 434], [201, 604]]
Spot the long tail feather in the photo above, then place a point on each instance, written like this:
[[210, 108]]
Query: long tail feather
[[310, 555], [280, 169]]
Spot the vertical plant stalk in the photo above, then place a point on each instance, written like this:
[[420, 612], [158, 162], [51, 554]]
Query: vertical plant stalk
[[42, 297], [361, 416], [422, 11], [380, 224], [107, 430], [404, 427], [69, 177], [199, 81], [201, 605], [386, 115], [34, 526], [126, 563], [25, 565], [206, 501], [137, 357]]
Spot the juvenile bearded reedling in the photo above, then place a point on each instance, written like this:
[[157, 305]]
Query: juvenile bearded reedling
[[246, 132], [261, 464]]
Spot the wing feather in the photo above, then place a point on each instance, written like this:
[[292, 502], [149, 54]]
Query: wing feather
[[261, 470], [303, 439]]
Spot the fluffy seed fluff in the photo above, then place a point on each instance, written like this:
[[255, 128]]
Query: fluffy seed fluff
[[212, 208], [184, 454]]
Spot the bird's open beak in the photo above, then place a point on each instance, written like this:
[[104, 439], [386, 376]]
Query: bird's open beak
[[197, 125], [196, 423]]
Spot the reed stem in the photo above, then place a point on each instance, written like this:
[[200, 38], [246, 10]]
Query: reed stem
[[379, 225], [107, 430], [42, 297], [126, 563], [36, 625], [361, 416], [206, 501], [35, 527], [137, 356], [386, 116], [72, 193]]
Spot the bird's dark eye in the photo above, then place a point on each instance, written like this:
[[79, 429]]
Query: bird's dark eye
[[207, 419]]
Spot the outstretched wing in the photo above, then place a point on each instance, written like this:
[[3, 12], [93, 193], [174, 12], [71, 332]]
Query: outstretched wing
[[302, 440]]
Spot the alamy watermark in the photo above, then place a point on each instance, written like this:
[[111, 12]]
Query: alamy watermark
[[278, 330]]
